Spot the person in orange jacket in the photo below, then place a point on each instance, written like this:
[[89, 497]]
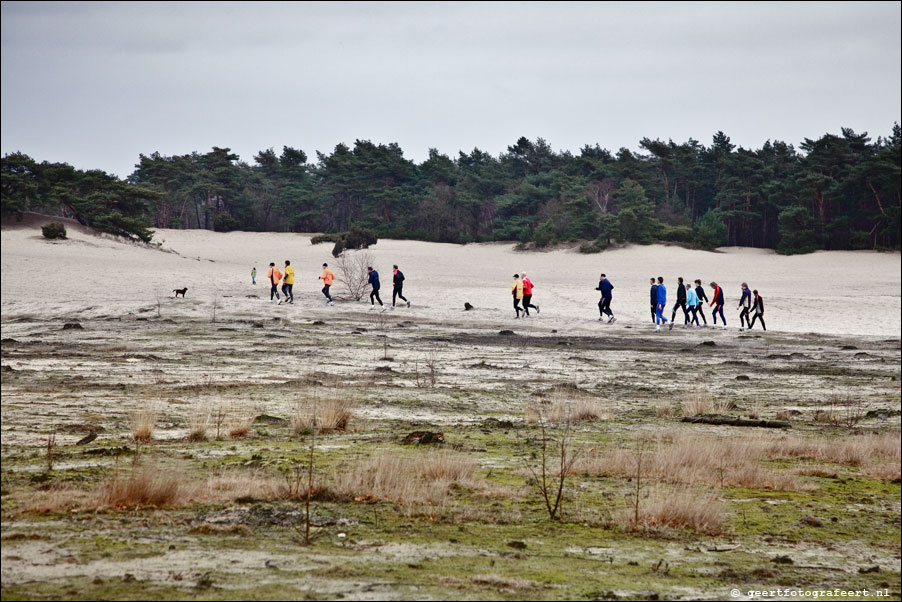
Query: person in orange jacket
[[274, 276], [328, 278], [517, 293]]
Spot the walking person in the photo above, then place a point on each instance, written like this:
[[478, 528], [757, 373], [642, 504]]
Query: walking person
[[288, 283], [680, 303], [758, 306], [374, 294], [527, 295], [254, 275], [328, 277], [654, 300], [717, 302], [661, 305], [702, 298], [397, 279], [745, 304], [604, 305], [517, 293], [692, 304], [274, 276]]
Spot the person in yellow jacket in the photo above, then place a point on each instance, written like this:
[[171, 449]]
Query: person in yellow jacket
[[288, 283], [517, 293], [328, 278], [274, 276]]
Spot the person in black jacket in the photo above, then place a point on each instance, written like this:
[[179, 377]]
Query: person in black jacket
[[654, 300], [702, 299], [758, 308], [680, 303], [398, 285]]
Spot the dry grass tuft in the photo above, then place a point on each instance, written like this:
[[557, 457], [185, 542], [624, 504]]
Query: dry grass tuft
[[143, 423], [701, 403], [146, 486], [696, 461], [664, 409], [677, 508], [567, 406], [198, 424], [409, 479], [240, 423], [327, 415]]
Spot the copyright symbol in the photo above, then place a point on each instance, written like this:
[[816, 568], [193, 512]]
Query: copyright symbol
[[735, 593]]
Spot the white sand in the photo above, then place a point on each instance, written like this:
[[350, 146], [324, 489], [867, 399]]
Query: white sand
[[87, 276]]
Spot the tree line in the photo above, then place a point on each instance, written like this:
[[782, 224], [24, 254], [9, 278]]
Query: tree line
[[836, 192]]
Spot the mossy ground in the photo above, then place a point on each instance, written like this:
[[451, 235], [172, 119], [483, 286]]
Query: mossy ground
[[491, 541]]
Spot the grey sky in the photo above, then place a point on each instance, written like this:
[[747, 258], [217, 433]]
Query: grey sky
[[95, 84]]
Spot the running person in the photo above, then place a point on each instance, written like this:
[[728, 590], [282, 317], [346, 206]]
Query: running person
[[692, 303], [702, 299], [517, 293], [604, 305], [680, 303], [717, 302], [758, 306], [662, 303], [527, 295], [288, 283], [745, 304], [397, 279], [654, 300], [328, 278], [274, 276], [374, 294]]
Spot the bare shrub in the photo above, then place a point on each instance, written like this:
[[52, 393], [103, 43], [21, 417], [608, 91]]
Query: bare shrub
[[143, 422], [549, 481], [429, 378], [352, 274], [844, 412], [218, 417], [677, 508], [146, 486]]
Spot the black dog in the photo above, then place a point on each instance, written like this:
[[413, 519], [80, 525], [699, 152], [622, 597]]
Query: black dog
[[180, 291]]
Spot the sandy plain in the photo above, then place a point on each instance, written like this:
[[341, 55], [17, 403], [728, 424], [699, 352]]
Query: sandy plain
[[829, 365]]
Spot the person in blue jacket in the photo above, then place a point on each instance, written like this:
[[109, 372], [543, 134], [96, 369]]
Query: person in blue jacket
[[374, 282], [692, 303], [661, 304], [604, 306]]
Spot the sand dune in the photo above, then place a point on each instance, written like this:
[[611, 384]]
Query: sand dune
[[827, 292]]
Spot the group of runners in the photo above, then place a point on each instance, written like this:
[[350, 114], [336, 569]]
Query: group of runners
[[688, 299], [286, 278], [691, 300]]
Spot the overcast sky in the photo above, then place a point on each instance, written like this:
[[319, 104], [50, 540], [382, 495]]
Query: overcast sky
[[95, 84]]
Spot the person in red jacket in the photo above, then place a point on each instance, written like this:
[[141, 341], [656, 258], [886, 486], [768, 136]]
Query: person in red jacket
[[527, 295]]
